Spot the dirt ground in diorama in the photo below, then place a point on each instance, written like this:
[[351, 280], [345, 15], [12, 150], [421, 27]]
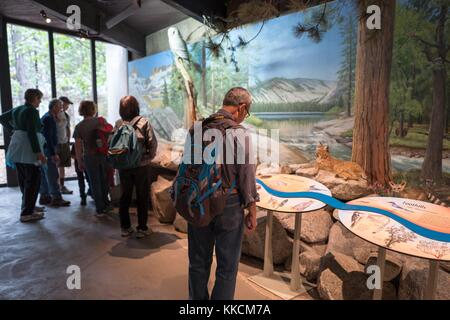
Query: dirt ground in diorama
[[34, 257]]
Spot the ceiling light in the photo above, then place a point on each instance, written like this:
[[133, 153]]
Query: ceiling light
[[45, 17]]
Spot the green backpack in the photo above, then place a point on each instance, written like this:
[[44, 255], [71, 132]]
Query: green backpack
[[125, 151]]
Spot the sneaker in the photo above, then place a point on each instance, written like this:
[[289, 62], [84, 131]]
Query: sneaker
[[39, 209], [100, 214], [83, 201], [32, 217], [64, 190], [59, 203], [127, 232], [43, 200], [143, 233]]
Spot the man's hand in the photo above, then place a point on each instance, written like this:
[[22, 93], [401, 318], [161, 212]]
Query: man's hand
[[250, 218], [41, 157]]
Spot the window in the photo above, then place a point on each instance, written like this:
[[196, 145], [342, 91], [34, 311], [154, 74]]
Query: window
[[102, 87], [73, 71], [29, 60]]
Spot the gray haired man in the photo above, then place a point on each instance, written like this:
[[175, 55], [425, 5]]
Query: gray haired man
[[225, 231], [50, 190]]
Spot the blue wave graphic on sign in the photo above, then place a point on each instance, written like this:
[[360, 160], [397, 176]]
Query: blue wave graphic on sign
[[432, 234]]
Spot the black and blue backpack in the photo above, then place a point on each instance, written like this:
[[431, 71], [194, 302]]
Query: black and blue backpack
[[199, 191]]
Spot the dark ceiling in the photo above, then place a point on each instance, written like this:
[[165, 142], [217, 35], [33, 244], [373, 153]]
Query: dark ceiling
[[153, 15], [144, 16]]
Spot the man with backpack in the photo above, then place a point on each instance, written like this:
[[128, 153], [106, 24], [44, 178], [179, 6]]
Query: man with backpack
[[131, 149], [212, 195]]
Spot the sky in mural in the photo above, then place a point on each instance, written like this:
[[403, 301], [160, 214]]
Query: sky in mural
[[276, 52]]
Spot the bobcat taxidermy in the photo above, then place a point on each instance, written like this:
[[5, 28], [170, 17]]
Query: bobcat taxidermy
[[343, 169]]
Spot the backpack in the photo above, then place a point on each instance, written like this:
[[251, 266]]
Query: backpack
[[102, 135], [125, 151], [198, 191]]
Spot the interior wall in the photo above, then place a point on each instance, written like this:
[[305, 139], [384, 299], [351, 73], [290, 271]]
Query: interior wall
[[116, 75]]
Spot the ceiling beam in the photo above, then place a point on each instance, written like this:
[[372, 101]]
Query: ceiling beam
[[132, 8], [198, 8], [94, 20]]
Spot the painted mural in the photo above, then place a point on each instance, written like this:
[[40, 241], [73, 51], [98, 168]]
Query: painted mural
[[304, 85]]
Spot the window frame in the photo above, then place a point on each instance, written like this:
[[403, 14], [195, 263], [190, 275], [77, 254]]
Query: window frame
[[5, 78]]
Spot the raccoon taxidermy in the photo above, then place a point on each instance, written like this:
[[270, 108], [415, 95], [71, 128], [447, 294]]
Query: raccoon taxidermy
[[400, 190], [343, 169]]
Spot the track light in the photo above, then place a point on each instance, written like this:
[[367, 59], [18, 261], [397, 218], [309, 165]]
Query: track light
[[45, 17]]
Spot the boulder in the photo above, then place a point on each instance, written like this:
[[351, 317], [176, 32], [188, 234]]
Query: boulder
[[273, 168], [308, 172], [331, 287], [180, 224], [309, 265], [317, 249], [392, 267], [414, 277], [342, 278], [445, 266], [161, 200], [253, 244], [315, 225], [343, 241], [168, 156], [340, 188]]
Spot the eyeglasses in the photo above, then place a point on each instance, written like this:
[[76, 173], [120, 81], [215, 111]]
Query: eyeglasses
[[247, 110]]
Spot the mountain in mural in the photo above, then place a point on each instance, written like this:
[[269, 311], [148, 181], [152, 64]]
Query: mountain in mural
[[281, 90], [149, 90]]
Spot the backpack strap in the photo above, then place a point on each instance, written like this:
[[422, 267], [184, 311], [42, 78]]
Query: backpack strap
[[135, 121]]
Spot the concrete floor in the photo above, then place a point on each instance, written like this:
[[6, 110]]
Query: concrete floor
[[34, 257]]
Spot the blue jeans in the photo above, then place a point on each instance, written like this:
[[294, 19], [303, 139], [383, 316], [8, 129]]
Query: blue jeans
[[96, 168], [225, 232], [49, 180]]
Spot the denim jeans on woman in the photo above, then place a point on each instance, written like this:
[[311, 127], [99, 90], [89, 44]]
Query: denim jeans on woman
[[96, 167], [225, 232]]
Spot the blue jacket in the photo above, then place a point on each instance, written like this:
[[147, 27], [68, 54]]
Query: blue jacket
[[49, 132]]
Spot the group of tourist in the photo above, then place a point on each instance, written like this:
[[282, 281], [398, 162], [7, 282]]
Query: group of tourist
[[40, 150]]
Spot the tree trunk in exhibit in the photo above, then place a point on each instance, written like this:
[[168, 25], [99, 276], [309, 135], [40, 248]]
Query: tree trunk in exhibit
[[432, 165], [374, 60]]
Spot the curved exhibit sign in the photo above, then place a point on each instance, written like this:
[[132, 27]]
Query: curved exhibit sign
[[392, 235], [286, 183]]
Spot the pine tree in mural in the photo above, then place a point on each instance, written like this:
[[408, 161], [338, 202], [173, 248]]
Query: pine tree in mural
[[346, 73], [373, 70], [436, 51], [166, 102]]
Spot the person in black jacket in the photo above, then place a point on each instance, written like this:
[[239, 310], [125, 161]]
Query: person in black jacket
[[137, 177]]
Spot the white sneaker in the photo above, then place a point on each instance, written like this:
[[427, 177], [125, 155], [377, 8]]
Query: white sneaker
[[32, 217], [143, 233], [127, 232]]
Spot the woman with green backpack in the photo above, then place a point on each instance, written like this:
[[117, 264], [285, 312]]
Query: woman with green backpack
[[131, 149]]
